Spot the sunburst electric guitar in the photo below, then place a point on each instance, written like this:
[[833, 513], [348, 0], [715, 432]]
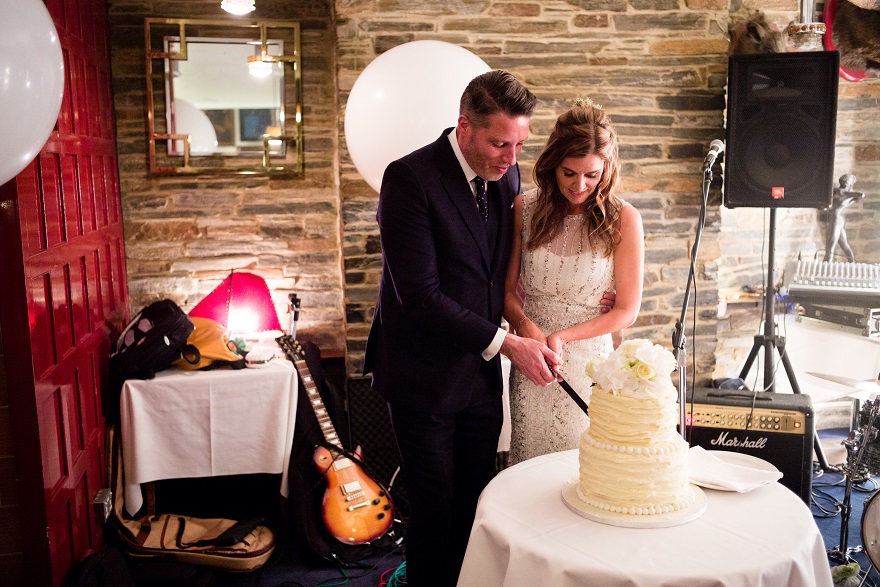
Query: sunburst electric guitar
[[355, 508]]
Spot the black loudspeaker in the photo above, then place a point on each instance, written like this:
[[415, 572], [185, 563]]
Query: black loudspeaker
[[370, 428], [781, 122], [779, 429]]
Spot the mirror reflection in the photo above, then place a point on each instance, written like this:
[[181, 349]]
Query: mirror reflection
[[224, 97]]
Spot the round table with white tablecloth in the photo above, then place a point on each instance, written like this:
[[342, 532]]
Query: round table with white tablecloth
[[524, 535]]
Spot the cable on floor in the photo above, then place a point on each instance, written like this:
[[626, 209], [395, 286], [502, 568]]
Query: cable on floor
[[394, 577]]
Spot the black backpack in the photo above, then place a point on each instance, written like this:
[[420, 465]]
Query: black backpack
[[150, 342]]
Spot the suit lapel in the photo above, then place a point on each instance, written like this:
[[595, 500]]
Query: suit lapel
[[456, 186]]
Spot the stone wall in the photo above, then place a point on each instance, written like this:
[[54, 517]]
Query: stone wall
[[185, 234], [658, 66]]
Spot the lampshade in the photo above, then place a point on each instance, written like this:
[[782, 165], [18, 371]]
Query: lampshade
[[237, 6], [242, 303]]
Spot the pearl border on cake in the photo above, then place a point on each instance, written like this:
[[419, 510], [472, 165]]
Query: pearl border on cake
[[646, 510], [674, 518], [652, 450]]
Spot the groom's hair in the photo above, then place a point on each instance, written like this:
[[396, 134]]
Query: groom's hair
[[495, 91]]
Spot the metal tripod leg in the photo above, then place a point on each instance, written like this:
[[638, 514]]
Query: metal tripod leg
[[768, 343], [817, 446], [769, 340]]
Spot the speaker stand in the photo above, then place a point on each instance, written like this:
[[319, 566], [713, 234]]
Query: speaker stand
[[768, 341]]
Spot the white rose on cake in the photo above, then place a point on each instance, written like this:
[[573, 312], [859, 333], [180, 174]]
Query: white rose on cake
[[637, 368]]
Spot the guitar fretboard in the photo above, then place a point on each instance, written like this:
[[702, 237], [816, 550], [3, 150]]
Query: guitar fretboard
[[294, 353]]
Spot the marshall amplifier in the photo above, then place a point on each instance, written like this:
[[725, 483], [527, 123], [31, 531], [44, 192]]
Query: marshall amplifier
[[779, 429]]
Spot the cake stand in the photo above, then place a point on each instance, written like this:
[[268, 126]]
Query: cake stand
[[692, 512]]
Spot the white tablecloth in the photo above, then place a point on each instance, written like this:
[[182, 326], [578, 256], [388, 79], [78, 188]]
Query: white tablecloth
[[525, 535], [504, 438], [207, 424]]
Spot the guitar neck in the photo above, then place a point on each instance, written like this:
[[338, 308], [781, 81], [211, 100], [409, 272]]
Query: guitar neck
[[294, 353]]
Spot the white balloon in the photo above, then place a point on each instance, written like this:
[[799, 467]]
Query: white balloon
[[31, 82], [403, 100], [189, 120]]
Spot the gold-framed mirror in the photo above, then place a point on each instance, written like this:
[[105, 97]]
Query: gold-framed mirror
[[223, 97]]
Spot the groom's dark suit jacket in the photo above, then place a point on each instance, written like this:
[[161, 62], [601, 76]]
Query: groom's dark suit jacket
[[442, 290]]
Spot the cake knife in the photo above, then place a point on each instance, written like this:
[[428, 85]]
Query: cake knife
[[571, 392]]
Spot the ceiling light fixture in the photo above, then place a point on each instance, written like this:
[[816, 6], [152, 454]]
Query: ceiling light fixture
[[237, 6]]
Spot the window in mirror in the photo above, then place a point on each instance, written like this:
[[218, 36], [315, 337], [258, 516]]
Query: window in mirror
[[226, 97]]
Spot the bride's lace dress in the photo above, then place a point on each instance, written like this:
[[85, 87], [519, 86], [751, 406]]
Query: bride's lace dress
[[563, 283]]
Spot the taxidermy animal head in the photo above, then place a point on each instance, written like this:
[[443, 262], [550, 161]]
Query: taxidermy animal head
[[756, 35], [856, 34]]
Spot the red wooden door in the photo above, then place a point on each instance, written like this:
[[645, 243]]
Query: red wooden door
[[63, 271]]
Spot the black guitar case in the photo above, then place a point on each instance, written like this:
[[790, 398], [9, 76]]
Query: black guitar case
[[307, 485]]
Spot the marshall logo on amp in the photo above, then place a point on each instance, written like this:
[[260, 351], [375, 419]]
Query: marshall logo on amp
[[725, 441], [776, 427]]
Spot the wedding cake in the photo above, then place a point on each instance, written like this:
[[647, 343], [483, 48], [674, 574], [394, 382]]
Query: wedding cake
[[632, 457]]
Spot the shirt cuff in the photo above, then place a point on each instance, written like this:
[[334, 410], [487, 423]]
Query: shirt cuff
[[495, 345]]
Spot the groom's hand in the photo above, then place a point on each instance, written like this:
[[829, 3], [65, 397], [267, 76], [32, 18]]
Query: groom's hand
[[534, 359]]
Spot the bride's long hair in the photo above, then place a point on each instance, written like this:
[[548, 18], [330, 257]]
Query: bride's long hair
[[584, 129]]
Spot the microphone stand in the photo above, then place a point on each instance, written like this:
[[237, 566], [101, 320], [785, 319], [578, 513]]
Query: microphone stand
[[678, 337], [855, 473], [293, 311]]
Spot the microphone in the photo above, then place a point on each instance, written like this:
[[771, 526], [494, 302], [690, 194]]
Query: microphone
[[293, 311], [716, 147]]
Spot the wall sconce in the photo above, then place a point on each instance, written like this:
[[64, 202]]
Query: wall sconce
[[262, 63], [242, 303], [259, 68], [237, 6]]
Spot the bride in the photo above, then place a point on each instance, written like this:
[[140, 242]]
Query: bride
[[574, 239]]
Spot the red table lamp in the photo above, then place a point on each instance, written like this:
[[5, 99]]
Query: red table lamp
[[242, 303]]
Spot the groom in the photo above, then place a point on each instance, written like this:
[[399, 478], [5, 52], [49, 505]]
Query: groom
[[445, 222]]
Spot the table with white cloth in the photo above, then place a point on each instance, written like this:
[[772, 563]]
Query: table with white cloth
[[525, 535], [184, 424]]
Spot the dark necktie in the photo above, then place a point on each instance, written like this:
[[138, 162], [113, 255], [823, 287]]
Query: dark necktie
[[482, 200]]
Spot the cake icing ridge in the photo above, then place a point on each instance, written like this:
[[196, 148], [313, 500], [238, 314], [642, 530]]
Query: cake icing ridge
[[632, 458]]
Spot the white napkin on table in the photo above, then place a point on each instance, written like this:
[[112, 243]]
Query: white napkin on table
[[708, 470]]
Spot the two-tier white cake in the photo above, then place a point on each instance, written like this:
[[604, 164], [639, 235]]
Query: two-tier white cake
[[633, 461]]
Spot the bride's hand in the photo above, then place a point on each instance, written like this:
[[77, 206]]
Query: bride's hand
[[554, 341]]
